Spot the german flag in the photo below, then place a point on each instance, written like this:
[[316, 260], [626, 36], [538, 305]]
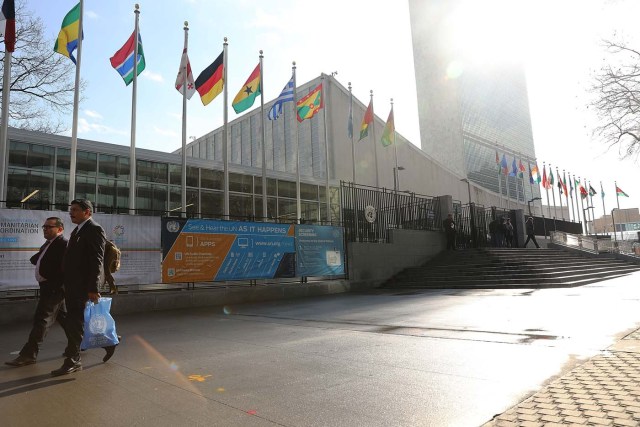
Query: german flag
[[209, 83]]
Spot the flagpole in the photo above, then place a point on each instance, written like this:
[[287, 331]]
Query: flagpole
[[604, 210], [326, 150], [530, 183], [585, 216], [500, 185], [262, 136], [617, 196], [373, 139], [132, 149], [577, 189], [396, 174], [225, 133], [569, 196], [559, 193], [545, 184], [295, 104], [580, 208], [76, 101], [592, 210], [6, 90], [553, 195], [183, 181], [353, 145]]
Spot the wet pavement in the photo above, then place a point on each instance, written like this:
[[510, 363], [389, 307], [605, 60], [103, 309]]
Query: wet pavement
[[380, 358]]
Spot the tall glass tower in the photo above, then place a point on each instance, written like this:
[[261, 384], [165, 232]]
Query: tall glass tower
[[470, 108]]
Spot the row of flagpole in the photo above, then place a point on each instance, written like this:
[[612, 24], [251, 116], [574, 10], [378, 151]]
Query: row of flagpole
[[574, 208], [187, 84]]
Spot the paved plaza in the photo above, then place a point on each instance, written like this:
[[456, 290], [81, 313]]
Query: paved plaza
[[377, 358]]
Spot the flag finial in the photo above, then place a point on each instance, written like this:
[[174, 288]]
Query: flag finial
[[186, 25], [225, 40], [137, 6], [349, 86], [260, 52]]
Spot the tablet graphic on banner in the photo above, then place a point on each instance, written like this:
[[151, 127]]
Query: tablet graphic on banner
[[320, 250], [206, 250]]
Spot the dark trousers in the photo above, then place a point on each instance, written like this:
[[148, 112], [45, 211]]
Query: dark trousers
[[531, 237], [451, 241], [75, 327], [50, 308]]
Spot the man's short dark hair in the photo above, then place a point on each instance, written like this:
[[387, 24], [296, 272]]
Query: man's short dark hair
[[58, 221], [83, 203]]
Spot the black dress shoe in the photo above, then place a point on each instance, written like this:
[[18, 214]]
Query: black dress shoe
[[21, 361], [110, 350], [67, 367]]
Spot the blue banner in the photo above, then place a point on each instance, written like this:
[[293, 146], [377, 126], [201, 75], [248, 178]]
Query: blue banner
[[320, 250]]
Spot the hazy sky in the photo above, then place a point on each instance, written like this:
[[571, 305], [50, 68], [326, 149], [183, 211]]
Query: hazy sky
[[368, 42]]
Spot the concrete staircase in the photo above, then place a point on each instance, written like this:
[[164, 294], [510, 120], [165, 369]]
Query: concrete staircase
[[492, 268]]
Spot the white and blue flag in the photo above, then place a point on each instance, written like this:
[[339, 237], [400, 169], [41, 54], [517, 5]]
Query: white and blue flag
[[285, 96]]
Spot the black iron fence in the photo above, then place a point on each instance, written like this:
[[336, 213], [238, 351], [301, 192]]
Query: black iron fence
[[369, 212], [473, 224]]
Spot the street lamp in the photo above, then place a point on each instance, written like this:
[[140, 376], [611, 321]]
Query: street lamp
[[532, 200], [584, 214], [395, 191], [468, 187], [396, 178]]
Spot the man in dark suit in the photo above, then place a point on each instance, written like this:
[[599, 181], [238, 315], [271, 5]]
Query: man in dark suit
[[82, 266], [51, 307]]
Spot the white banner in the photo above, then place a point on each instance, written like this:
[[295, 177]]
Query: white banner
[[138, 237]]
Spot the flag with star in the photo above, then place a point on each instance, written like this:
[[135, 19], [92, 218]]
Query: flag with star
[[247, 95]]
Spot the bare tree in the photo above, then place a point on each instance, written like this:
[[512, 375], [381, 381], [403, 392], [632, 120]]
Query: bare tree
[[42, 81], [616, 101]]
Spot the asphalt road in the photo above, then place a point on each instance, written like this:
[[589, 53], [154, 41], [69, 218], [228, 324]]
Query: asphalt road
[[381, 358]]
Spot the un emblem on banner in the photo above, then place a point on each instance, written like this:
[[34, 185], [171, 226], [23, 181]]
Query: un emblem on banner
[[98, 324], [173, 226], [370, 213]]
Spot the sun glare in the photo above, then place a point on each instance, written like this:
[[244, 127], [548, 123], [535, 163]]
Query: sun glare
[[490, 31]]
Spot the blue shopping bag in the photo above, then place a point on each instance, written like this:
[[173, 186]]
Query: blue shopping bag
[[99, 326]]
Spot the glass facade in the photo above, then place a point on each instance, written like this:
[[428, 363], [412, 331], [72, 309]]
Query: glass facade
[[494, 107], [104, 179]]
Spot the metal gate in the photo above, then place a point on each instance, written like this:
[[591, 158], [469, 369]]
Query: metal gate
[[369, 212]]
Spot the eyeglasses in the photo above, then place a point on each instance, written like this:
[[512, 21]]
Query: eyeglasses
[[44, 227]]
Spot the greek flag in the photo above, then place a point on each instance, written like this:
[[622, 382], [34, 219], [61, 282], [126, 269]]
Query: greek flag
[[285, 96]]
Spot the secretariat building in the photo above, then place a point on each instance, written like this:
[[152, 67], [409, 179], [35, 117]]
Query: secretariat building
[[470, 107]]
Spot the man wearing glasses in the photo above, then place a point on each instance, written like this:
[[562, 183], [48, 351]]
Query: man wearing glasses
[[82, 264], [51, 306]]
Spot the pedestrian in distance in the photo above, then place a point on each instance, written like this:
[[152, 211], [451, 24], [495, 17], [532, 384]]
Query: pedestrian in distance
[[530, 232], [82, 265], [508, 234], [450, 230], [51, 304]]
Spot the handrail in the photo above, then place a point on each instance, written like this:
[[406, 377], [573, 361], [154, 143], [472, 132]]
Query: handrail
[[593, 245]]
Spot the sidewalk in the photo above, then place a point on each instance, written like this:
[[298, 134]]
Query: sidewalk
[[604, 391]]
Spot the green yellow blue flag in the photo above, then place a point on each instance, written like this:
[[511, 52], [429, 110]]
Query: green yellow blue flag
[[67, 40]]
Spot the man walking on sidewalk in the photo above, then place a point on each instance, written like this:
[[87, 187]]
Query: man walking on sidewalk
[[82, 266], [51, 307]]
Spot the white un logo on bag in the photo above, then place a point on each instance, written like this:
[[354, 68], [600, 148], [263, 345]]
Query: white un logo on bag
[[98, 324]]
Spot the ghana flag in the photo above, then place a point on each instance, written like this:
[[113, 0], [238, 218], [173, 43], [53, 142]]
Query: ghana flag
[[247, 95], [366, 121], [389, 133], [309, 105], [209, 83]]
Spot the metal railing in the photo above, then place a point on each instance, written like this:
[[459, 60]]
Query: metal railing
[[368, 213], [594, 245]]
